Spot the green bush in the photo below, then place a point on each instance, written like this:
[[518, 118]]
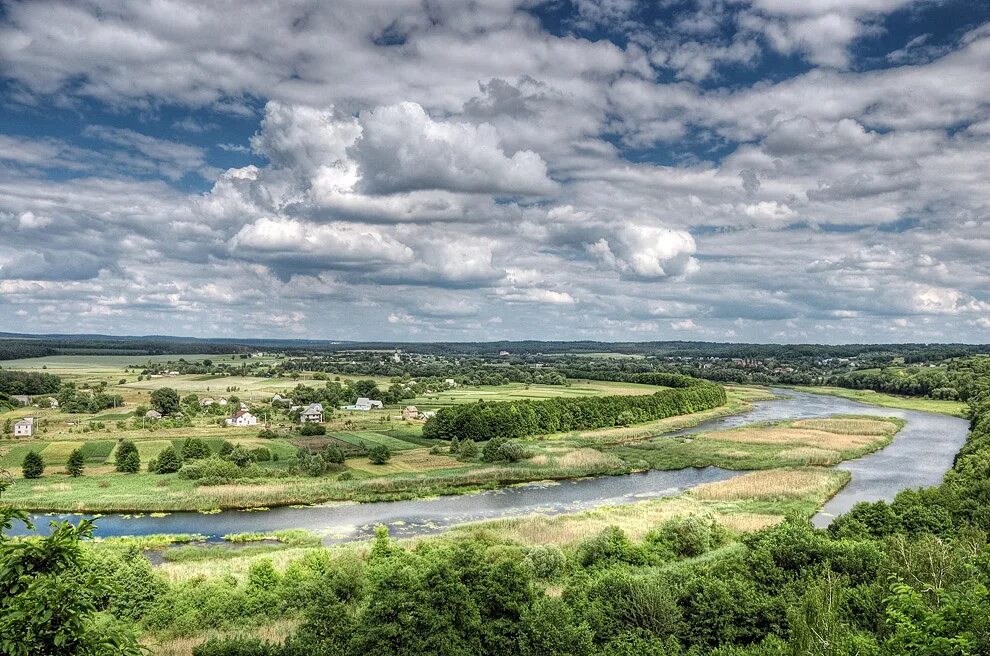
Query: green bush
[[468, 450], [76, 463], [312, 428], [193, 448], [168, 461], [686, 537], [214, 471], [501, 449], [546, 561], [33, 465], [379, 454], [126, 459]]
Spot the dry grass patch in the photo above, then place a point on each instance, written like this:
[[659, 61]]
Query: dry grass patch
[[809, 455], [849, 426], [749, 522], [277, 632], [775, 485], [586, 457], [785, 435]]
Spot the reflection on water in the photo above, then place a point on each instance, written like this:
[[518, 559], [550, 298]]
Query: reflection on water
[[918, 457]]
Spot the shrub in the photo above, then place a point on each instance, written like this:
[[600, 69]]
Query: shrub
[[76, 463], [345, 476], [379, 454], [332, 454], [168, 461], [236, 647], [310, 428], [261, 454], [212, 470], [500, 449], [122, 458], [194, 449], [33, 465], [226, 448], [468, 450], [131, 463], [267, 433], [546, 561], [240, 456], [608, 547], [686, 537]]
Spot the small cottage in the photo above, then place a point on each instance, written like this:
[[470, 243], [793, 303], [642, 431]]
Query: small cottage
[[242, 418], [24, 427], [312, 414]]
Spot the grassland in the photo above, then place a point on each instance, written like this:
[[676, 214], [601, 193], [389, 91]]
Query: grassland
[[954, 408]]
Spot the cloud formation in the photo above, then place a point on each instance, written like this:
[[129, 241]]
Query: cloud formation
[[453, 171]]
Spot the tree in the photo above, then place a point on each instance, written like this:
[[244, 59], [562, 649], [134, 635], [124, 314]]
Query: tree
[[126, 458], [47, 600], [332, 454], [169, 461], [165, 400], [455, 445], [379, 454], [469, 450], [33, 465], [76, 463], [194, 449]]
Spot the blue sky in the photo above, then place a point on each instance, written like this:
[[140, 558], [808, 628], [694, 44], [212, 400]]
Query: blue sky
[[765, 171]]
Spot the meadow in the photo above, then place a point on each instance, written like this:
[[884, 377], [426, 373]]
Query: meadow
[[954, 408]]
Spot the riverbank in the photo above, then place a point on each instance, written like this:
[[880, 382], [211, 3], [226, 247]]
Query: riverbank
[[951, 408]]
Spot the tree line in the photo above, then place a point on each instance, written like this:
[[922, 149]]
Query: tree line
[[484, 421]]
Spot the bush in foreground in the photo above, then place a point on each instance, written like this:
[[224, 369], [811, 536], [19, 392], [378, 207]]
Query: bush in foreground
[[379, 454]]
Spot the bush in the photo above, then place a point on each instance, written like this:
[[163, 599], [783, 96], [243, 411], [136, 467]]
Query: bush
[[168, 461], [261, 454], [33, 465], [345, 476], [310, 428], [332, 454], [500, 449], [608, 547], [212, 470], [194, 449], [468, 450], [76, 463], [379, 454], [240, 456], [546, 562], [226, 448], [124, 458], [686, 537], [267, 433]]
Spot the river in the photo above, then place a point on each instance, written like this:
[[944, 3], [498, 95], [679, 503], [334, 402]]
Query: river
[[919, 456]]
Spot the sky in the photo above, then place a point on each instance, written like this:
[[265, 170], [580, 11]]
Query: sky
[[420, 170]]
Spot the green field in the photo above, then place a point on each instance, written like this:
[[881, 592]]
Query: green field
[[517, 391], [954, 408]]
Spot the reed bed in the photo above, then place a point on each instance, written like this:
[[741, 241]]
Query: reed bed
[[775, 485]]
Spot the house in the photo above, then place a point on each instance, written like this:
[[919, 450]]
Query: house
[[450, 382], [53, 403], [426, 414], [208, 401], [364, 405], [222, 401], [504, 354], [244, 406], [410, 412], [278, 398], [312, 414], [22, 399], [24, 427], [242, 418], [152, 414]]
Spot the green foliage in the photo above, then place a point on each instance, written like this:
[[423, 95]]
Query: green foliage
[[33, 465], [501, 449], [332, 454], [48, 597], [76, 463], [687, 536], [468, 450], [168, 461], [506, 419], [126, 458], [546, 561], [379, 454], [312, 428], [165, 400], [193, 448]]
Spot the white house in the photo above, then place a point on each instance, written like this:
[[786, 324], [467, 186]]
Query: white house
[[410, 412], [152, 414], [24, 427], [426, 414], [364, 405], [242, 418], [450, 382], [222, 401], [312, 414], [208, 401], [277, 398]]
